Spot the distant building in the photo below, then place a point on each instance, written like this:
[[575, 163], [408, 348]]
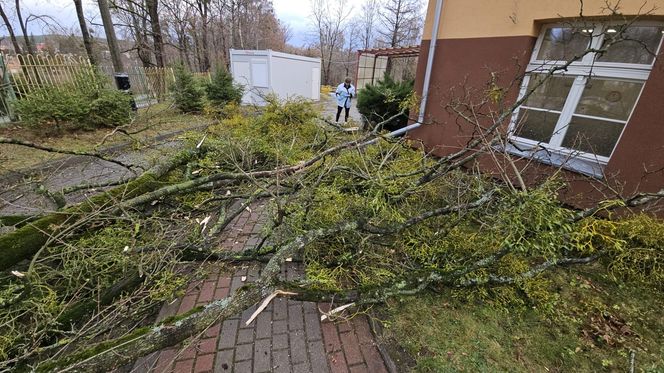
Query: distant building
[[599, 120]]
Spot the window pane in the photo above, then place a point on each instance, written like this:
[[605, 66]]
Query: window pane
[[612, 99], [563, 43], [635, 44], [592, 136], [536, 125], [552, 94]]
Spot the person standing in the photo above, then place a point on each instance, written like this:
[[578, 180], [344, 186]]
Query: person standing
[[345, 93]]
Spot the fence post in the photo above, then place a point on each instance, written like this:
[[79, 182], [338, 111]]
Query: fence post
[[7, 95]]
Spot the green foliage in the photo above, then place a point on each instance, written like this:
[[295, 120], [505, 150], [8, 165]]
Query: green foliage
[[385, 99], [85, 102], [222, 91], [187, 94]]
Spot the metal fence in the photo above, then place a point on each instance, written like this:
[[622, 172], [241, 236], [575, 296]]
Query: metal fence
[[24, 74]]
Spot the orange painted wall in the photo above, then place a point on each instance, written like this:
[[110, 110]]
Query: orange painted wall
[[496, 18]]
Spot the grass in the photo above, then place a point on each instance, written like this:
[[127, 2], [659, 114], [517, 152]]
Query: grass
[[592, 327], [150, 122]]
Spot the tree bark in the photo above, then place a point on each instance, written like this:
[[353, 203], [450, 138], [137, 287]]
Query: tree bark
[[157, 37], [24, 28], [10, 30], [24, 242], [87, 39]]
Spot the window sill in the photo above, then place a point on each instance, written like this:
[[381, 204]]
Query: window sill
[[567, 159]]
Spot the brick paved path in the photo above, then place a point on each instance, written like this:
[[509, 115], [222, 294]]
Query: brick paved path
[[287, 336]]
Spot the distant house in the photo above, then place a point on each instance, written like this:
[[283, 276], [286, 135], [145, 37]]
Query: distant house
[[600, 120]]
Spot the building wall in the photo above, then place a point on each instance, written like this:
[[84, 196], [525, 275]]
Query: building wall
[[482, 42]]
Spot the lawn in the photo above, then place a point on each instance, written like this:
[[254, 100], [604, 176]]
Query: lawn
[[593, 325], [149, 123]]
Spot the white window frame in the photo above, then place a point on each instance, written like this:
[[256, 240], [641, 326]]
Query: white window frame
[[553, 152]]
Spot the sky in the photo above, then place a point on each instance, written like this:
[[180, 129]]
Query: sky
[[295, 13]]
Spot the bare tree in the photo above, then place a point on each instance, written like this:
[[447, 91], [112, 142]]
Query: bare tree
[[329, 21], [10, 30], [401, 22], [87, 39], [367, 20], [157, 38]]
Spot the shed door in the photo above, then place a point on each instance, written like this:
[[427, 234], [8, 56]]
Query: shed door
[[315, 83], [242, 75]]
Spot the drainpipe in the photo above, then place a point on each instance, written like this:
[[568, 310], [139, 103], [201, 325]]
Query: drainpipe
[[427, 74]]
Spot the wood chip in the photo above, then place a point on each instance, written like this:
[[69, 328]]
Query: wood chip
[[336, 310]]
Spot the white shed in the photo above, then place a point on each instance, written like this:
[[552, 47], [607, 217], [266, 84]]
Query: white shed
[[265, 71]]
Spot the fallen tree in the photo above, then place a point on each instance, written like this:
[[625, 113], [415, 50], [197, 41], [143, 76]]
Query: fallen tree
[[370, 220]]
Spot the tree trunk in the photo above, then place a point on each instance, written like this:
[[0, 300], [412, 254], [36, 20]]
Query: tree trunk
[[87, 40], [24, 28], [24, 242], [157, 37], [116, 58], [10, 30]]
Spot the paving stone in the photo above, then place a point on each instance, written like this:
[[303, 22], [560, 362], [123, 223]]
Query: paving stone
[[245, 316], [165, 360], [310, 307], [279, 327], [207, 291], [351, 348], [262, 356], [245, 336], [337, 362], [243, 367], [221, 293], [312, 326], [362, 331], [184, 366], [281, 361], [228, 334], [359, 369], [330, 336], [264, 325], [279, 341], [295, 319], [302, 368], [280, 310], [204, 363], [187, 303], [213, 331], [207, 346], [373, 358], [298, 346], [224, 362], [224, 282], [244, 352], [317, 357]]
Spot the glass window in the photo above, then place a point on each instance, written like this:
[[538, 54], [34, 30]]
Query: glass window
[[607, 98], [564, 43], [634, 44], [536, 125], [551, 94], [592, 136]]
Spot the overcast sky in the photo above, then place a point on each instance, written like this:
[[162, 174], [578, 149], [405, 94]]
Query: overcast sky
[[295, 13]]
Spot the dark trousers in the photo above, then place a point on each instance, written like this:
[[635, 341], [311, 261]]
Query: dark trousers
[[339, 112]]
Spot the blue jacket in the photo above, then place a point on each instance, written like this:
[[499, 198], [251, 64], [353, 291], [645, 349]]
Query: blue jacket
[[344, 95]]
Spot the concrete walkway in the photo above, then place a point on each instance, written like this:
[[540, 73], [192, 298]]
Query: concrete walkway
[[287, 336]]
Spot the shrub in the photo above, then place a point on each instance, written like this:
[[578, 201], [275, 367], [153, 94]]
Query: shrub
[[221, 90], [187, 94], [84, 102], [385, 99], [111, 108]]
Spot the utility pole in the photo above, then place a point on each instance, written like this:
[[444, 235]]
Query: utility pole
[[106, 19]]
